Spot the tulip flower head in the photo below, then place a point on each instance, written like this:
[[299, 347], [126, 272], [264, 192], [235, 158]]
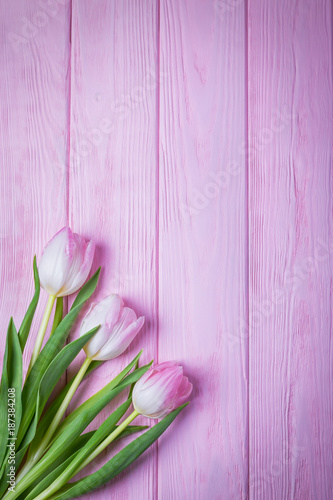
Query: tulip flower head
[[160, 390], [119, 326], [65, 263]]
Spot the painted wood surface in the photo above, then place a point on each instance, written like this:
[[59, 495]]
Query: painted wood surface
[[192, 141], [290, 249], [34, 93], [203, 246], [113, 178]]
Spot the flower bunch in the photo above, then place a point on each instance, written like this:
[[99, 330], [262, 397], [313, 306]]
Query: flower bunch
[[40, 451]]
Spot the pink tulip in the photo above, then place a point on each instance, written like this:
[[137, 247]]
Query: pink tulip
[[160, 390], [65, 263], [119, 326]]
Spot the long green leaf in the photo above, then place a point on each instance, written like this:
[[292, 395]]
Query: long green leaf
[[50, 350], [47, 418], [65, 460], [96, 403], [101, 433], [132, 386], [27, 320], [14, 369], [53, 374], [87, 290], [77, 421], [59, 365], [19, 454], [54, 371], [118, 463], [57, 467], [10, 404]]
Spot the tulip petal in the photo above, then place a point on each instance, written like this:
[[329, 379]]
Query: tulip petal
[[119, 326], [185, 390], [82, 255], [113, 304], [93, 346], [55, 263], [160, 390], [97, 315], [157, 395], [65, 263], [117, 344]]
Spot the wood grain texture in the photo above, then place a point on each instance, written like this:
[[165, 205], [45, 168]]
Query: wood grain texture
[[203, 246], [34, 65], [290, 251], [113, 179], [193, 142]]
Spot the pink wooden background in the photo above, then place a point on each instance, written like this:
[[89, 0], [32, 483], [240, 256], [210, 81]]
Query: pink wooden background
[[193, 141]]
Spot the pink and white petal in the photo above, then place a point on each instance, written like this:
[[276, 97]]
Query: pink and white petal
[[80, 268], [150, 402], [143, 380], [116, 345], [55, 263], [94, 345], [157, 393], [114, 305], [184, 393], [125, 318]]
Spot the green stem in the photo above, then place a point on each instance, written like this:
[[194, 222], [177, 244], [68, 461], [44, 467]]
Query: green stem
[[58, 313], [42, 330], [72, 470], [55, 422]]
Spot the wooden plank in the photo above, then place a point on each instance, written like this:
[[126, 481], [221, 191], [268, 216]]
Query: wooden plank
[[113, 176], [34, 63], [290, 228], [203, 246]]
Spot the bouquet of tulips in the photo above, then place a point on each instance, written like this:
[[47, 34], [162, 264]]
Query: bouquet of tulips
[[40, 451]]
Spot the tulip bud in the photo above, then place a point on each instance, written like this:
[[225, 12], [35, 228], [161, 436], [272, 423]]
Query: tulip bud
[[119, 326], [160, 390], [65, 263]]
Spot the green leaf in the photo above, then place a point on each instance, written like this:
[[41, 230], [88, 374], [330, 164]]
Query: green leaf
[[58, 314], [53, 408], [53, 374], [132, 386], [87, 290], [27, 320], [96, 403], [118, 463], [11, 379], [132, 429], [59, 365], [59, 465], [48, 477], [77, 421], [50, 350], [101, 433], [19, 454], [65, 460]]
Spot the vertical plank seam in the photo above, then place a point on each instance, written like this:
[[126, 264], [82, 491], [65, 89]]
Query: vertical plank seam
[[158, 98], [69, 109], [69, 114], [247, 229]]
